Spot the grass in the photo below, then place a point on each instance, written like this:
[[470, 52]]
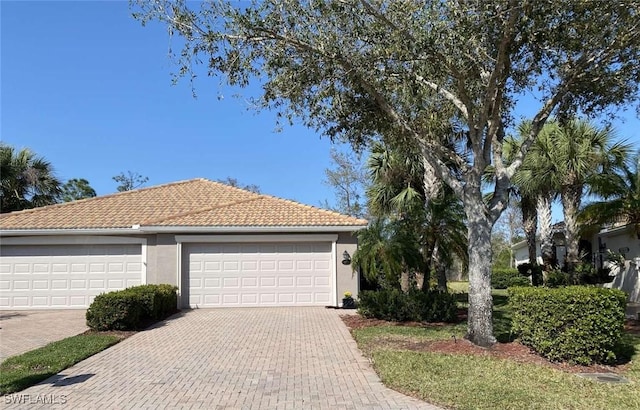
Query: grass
[[27, 369], [484, 382]]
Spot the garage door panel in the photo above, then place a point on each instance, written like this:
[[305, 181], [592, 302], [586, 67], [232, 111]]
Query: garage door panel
[[260, 274], [59, 276]]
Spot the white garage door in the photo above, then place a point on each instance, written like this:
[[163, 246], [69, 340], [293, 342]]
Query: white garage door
[[259, 274], [65, 276]]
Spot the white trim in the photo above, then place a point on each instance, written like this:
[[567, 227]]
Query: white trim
[[334, 272], [250, 229], [71, 240], [181, 229], [143, 260], [46, 232], [179, 270], [255, 238]]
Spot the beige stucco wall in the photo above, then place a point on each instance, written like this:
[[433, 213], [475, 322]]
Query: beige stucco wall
[[162, 262], [346, 278]]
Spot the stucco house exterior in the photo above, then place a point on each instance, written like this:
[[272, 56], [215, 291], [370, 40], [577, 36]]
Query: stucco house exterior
[[618, 239], [221, 246]]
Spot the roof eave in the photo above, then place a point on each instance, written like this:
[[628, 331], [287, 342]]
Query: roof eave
[[251, 229], [69, 231], [136, 229]]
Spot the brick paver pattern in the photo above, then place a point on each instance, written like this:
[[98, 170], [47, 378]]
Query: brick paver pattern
[[249, 358], [21, 331]]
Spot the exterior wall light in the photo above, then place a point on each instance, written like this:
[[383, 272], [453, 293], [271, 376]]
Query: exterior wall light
[[346, 258]]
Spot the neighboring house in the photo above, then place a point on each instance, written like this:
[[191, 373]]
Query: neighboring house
[[620, 239], [221, 246]]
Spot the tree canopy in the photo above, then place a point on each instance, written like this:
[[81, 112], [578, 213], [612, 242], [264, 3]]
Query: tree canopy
[[26, 180], [77, 188], [129, 181], [443, 75]]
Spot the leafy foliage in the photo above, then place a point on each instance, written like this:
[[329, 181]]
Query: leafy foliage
[[621, 200], [129, 181], [77, 188], [557, 278], [348, 180], [235, 183], [444, 76], [26, 180], [506, 278], [415, 305], [132, 308], [576, 323]]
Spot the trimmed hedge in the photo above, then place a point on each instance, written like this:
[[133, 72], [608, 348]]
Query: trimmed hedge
[[132, 308], [505, 278], [578, 324], [415, 305], [557, 278]]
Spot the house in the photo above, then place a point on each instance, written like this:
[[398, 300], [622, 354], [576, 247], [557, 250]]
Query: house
[[221, 246], [621, 240]]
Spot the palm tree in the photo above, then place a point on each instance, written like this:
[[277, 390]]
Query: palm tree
[[535, 185], [621, 200], [385, 252], [583, 155], [399, 191], [26, 181]]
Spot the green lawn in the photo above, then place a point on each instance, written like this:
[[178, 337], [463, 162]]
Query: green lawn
[[27, 369], [483, 382]]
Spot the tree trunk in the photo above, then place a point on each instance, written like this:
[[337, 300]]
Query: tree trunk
[[530, 222], [480, 324], [441, 269], [404, 281], [543, 208], [571, 197], [432, 184]]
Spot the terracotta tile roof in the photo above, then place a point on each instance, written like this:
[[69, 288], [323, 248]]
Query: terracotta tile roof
[[193, 203]]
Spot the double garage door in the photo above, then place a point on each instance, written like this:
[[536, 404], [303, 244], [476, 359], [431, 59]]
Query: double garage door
[[65, 276], [258, 274]]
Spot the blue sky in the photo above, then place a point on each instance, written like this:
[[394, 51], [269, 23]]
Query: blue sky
[[89, 88]]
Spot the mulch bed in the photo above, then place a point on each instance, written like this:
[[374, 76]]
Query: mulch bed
[[511, 351]]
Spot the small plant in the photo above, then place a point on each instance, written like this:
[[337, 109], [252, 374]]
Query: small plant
[[557, 278], [505, 278], [535, 271], [347, 301], [415, 305]]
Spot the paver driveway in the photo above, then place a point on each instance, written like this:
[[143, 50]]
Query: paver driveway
[[21, 331], [260, 358]]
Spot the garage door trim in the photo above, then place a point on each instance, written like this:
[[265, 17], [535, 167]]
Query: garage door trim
[[332, 238]]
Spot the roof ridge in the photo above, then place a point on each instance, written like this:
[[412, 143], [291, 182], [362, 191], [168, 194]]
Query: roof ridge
[[99, 197], [329, 211], [199, 211]]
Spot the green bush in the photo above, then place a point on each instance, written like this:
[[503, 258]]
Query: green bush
[[415, 305], [557, 278], [131, 308], [535, 271], [578, 324], [504, 278]]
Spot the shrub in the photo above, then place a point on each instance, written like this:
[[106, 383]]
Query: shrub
[[131, 308], [504, 278], [415, 305], [535, 271], [557, 278], [577, 324]]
